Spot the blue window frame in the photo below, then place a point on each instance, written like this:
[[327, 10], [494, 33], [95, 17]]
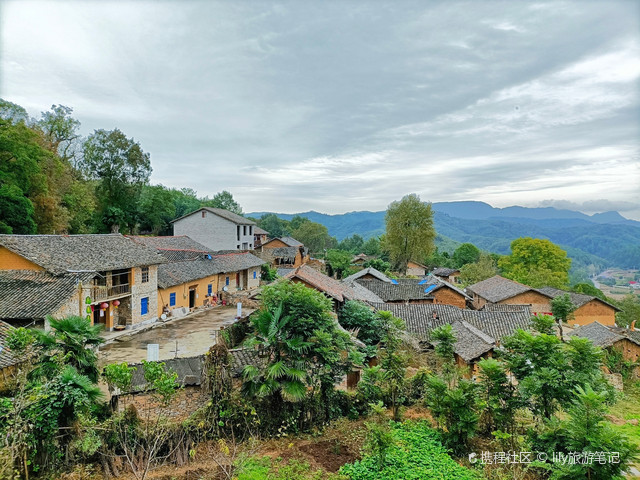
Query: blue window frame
[[209, 289], [255, 274], [144, 306], [172, 299], [226, 281]]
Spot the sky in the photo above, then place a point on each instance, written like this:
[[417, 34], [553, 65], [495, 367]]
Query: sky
[[339, 106]]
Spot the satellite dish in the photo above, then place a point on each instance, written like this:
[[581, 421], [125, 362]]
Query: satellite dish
[[225, 289], [163, 316]]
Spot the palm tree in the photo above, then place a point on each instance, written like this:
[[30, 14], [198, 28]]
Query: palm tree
[[284, 371], [70, 342]]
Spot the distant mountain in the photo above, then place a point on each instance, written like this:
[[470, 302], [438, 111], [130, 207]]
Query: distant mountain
[[605, 239]]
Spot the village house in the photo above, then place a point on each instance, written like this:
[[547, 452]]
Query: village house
[[501, 290], [284, 253], [360, 259], [415, 269], [368, 273], [478, 333], [588, 308], [216, 229], [451, 275], [259, 237], [195, 276], [430, 290], [337, 291], [626, 341], [108, 279]]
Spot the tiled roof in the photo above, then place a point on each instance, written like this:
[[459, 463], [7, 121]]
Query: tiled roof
[[600, 335], [471, 343], [287, 253], [444, 272], [290, 242], [174, 248], [59, 254], [419, 318], [6, 357], [497, 288], [284, 271], [361, 293], [368, 271], [177, 273], [259, 231], [26, 294], [578, 299], [221, 212], [241, 357], [631, 335], [404, 290], [323, 283], [443, 283], [504, 307]]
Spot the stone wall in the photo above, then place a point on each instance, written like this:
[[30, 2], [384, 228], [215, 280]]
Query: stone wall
[[186, 402], [141, 290]]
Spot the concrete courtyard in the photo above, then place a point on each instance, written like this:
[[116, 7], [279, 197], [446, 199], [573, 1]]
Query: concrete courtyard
[[191, 335]]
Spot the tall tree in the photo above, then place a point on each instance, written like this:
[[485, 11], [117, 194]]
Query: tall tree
[[409, 231], [156, 209], [475, 272], [274, 225], [121, 168], [537, 263], [465, 254], [224, 200], [61, 132], [315, 236]]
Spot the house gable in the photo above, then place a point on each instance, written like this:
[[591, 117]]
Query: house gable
[[12, 261]]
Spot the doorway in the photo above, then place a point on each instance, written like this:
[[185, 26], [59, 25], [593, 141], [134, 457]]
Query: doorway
[[192, 297]]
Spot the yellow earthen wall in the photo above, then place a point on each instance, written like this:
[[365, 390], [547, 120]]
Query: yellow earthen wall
[[182, 292], [447, 296], [593, 311], [539, 303], [13, 261]]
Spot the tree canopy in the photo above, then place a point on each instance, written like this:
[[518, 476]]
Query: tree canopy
[[410, 234], [537, 263]]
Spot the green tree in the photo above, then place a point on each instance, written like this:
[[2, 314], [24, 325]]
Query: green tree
[[409, 231], [498, 394], [537, 263], [353, 244], [13, 113], [484, 268], [156, 209], [121, 168], [314, 236], [16, 211], [358, 316], [338, 262], [630, 306], [275, 226], [61, 132], [223, 200], [393, 359], [465, 254], [562, 308], [371, 246], [588, 289]]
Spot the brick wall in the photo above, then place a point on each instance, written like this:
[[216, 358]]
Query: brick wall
[[141, 290]]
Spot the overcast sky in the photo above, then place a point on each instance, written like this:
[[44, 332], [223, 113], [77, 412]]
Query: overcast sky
[[338, 106]]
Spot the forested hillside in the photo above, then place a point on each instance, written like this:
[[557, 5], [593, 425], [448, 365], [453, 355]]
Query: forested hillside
[[587, 242]]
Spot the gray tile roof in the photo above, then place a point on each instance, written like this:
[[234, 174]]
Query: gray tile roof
[[284, 271], [174, 248], [327, 285], [419, 319], [190, 370], [59, 254], [471, 343], [404, 290], [444, 272], [600, 335], [368, 271], [497, 289], [284, 253], [363, 294], [177, 273], [6, 357], [291, 242], [578, 299], [226, 214], [26, 294], [259, 231]]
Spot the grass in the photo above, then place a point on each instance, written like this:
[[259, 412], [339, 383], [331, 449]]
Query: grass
[[628, 408]]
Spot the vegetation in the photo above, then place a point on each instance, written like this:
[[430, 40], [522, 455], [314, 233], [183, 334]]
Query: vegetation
[[409, 231], [537, 263]]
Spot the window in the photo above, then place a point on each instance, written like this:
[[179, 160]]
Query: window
[[251, 245], [226, 281], [145, 274], [144, 306], [209, 289], [204, 214], [238, 232], [250, 229], [255, 274], [238, 246], [172, 299], [244, 230]]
